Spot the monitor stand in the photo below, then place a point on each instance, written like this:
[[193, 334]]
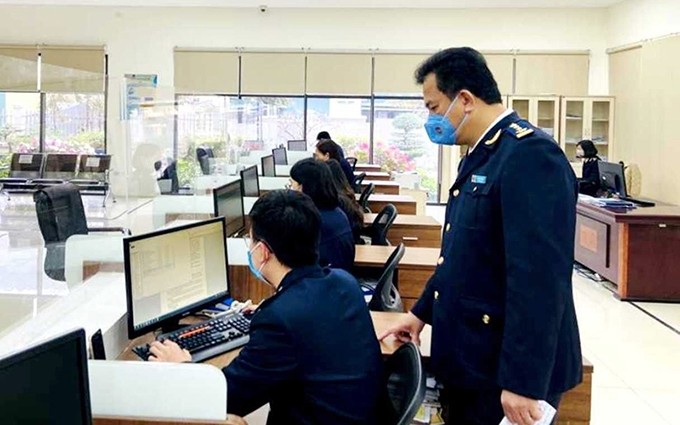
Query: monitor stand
[[173, 326]]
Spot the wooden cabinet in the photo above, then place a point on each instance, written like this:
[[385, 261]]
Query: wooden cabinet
[[587, 118], [541, 111]]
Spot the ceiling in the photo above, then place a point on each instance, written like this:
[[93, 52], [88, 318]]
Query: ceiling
[[327, 3]]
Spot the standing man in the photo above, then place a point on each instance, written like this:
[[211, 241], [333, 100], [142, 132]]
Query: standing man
[[504, 331]]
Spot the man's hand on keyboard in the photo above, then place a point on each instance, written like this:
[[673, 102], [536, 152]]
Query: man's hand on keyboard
[[168, 351]]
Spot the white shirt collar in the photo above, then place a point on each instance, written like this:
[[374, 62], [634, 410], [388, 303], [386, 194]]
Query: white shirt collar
[[505, 113]]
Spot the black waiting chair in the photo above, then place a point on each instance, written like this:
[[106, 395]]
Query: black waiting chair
[[203, 155], [363, 199], [61, 215], [385, 294], [405, 376], [352, 161], [358, 180], [377, 231]]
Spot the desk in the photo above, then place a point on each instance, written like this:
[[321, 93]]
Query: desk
[[574, 409], [382, 186], [405, 204], [368, 167], [375, 175], [413, 230], [637, 250]]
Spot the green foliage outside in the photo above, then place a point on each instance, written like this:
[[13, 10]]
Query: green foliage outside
[[4, 165]]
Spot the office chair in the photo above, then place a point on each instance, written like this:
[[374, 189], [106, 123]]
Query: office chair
[[61, 215], [377, 231], [406, 388], [363, 199], [358, 180], [633, 178], [352, 161], [385, 294], [203, 155]]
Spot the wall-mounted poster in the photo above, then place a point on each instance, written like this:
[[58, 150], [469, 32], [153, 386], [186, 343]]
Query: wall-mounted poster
[[139, 89]]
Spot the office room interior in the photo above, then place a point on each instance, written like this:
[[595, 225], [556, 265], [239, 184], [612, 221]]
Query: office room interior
[[164, 114]]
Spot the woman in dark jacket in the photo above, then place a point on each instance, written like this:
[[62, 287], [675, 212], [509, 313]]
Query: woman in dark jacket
[[348, 202], [336, 244], [327, 149], [589, 183]]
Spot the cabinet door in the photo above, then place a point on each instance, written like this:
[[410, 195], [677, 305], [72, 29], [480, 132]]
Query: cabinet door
[[600, 125], [547, 115], [574, 128], [522, 105]]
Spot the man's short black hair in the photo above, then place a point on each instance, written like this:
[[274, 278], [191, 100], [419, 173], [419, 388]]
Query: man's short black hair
[[317, 182], [461, 68], [288, 223], [323, 135]]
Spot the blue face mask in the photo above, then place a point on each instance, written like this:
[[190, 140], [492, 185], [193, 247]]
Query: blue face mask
[[439, 128], [256, 272]]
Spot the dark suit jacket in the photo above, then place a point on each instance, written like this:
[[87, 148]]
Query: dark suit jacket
[[500, 301], [313, 354], [349, 172], [336, 246]]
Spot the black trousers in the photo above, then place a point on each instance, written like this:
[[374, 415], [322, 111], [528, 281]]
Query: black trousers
[[477, 407]]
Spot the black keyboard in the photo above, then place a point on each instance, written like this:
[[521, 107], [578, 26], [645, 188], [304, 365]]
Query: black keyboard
[[206, 339], [639, 202]]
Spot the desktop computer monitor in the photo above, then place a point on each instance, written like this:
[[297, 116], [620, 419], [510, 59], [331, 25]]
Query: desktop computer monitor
[[250, 183], [297, 145], [47, 384], [228, 203], [280, 156], [60, 166], [174, 272], [612, 178], [268, 166]]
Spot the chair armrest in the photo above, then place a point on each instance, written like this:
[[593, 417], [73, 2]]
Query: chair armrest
[[123, 230]]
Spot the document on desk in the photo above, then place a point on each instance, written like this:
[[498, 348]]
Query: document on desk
[[546, 419]]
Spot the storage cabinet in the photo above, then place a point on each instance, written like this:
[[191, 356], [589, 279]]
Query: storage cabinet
[[541, 111], [587, 118]]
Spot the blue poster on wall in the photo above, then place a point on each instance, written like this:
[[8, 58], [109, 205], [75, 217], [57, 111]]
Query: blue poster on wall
[[139, 89]]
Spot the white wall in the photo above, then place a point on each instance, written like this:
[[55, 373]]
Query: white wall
[[636, 20]]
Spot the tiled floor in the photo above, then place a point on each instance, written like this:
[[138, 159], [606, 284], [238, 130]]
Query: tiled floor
[[636, 358]]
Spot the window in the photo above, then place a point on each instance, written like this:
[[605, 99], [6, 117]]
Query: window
[[19, 122], [346, 119], [74, 123], [400, 142]]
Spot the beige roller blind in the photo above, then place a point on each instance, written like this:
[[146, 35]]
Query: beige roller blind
[[18, 68], [206, 72], [273, 73], [394, 74], [339, 74], [563, 74], [73, 69], [502, 68], [624, 85]]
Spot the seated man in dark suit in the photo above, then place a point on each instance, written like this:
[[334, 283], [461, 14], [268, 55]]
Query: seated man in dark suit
[[313, 354]]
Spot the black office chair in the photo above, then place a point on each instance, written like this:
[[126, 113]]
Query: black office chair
[[352, 161], [405, 376], [61, 215], [203, 155], [377, 231], [363, 199], [357, 182], [385, 294]]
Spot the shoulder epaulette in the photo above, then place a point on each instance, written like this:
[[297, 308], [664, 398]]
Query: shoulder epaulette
[[519, 131]]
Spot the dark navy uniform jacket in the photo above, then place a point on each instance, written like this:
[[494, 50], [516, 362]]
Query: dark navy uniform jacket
[[336, 244], [313, 354], [500, 301]]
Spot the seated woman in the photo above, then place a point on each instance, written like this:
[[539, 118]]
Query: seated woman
[[348, 203], [327, 149], [589, 183], [336, 244]]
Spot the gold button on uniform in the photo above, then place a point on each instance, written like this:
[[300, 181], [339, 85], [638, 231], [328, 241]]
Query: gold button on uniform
[[448, 226], [456, 192], [486, 319], [440, 261]]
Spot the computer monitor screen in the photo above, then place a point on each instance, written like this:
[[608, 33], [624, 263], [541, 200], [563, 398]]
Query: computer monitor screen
[[268, 167], [280, 157], [173, 272], [612, 179], [250, 183], [47, 384], [228, 203], [297, 145]]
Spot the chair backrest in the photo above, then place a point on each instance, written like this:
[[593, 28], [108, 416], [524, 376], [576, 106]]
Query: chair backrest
[[381, 225], [60, 215], [386, 296], [405, 383], [352, 161], [60, 166], [633, 177], [203, 155], [26, 165], [94, 167], [358, 180], [363, 199]]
